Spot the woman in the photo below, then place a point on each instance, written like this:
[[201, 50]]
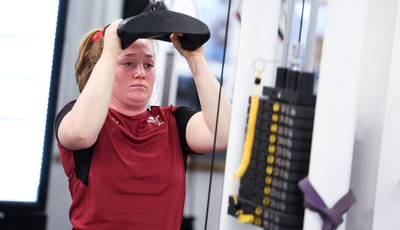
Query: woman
[[126, 161]]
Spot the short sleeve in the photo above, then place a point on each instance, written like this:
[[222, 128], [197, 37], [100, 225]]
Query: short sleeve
[[182, 116], [61, 115]]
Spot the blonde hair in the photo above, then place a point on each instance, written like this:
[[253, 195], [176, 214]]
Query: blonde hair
[[88, 55]]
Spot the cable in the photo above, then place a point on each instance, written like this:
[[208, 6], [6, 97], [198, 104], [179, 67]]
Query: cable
[[301, 21], [216, 123]]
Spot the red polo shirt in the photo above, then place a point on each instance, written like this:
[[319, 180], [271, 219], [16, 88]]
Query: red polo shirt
[[134, 175]]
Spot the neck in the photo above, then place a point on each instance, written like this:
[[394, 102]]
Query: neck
[[129, 111]]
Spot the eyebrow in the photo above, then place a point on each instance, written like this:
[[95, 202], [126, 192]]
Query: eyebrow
[[134, 55]]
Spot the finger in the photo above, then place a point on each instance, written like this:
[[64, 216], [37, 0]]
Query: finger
[[113, 25], [173, 37]]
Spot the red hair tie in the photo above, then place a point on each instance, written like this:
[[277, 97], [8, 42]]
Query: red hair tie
[[98, 35]]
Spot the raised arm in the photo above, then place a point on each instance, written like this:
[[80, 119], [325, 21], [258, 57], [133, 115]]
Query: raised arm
[[201, 127], [80, 127]]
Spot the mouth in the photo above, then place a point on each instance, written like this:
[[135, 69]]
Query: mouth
[[137, 86]]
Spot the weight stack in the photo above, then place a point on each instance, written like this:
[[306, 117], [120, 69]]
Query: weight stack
[[280, 154]]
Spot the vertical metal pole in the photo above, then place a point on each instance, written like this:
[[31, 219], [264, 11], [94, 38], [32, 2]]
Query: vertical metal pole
[[167, 78], [288, 33], [310, 45]]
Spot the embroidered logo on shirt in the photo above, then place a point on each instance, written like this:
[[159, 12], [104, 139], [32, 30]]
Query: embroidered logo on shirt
[[155, 120], [115, 120]]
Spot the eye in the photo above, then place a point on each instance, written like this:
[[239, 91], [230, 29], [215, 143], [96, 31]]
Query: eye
[[128, 63], [149, 65]]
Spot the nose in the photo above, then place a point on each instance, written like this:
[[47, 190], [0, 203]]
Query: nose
[[139, 72]]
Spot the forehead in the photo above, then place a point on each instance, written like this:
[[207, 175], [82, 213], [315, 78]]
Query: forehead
[[144, 46]]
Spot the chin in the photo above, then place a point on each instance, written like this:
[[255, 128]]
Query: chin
[[138, 100]]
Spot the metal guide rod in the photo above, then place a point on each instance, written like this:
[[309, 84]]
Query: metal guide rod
[[311, 37], [288, 33], [167, 78]]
